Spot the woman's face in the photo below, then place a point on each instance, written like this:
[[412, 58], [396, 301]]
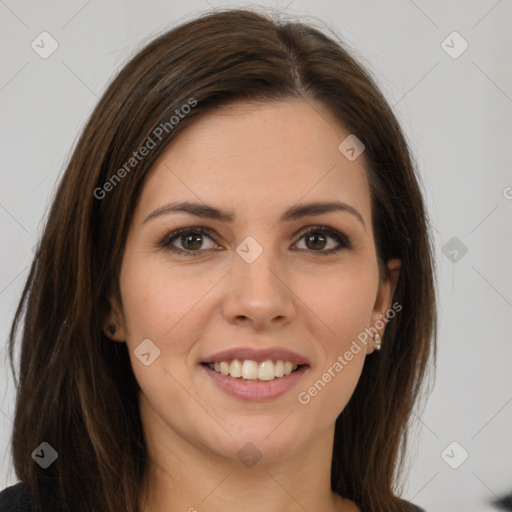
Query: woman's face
[[254, 287]]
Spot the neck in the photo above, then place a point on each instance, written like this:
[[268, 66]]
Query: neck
[[185, 475]]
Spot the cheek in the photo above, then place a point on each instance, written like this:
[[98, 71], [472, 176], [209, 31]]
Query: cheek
[[342, 304], [158, 299], [162, 306]]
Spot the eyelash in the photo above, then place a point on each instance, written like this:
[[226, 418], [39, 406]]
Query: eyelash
[[343, 241]]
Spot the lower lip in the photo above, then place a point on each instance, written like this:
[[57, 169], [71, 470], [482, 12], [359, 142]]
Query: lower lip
[[257, 390]]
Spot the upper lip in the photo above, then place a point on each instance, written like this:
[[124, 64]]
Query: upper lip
[[258, 355]]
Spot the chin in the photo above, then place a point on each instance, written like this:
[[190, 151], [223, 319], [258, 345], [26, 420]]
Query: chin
[[270, 438]]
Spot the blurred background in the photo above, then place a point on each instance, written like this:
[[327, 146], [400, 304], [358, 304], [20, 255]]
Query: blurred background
[[446, 69]]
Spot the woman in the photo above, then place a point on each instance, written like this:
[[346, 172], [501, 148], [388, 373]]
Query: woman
[[238, 232]]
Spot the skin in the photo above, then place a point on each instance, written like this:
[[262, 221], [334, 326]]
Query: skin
[[255, 161]]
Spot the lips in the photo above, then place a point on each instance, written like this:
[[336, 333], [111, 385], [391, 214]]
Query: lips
[[258, 355], [251, 370], [255, 375]]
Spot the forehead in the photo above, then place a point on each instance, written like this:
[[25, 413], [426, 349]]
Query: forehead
[[259, 158]]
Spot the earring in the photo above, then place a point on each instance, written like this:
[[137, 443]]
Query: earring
[[377, 341], [112, 329]]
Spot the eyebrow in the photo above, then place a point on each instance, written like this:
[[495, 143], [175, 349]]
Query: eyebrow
[[293, 213]]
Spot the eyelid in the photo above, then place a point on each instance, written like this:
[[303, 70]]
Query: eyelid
[[173, 235], [344, 242]]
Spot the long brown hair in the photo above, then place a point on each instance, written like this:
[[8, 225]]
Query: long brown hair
[[76, 389]]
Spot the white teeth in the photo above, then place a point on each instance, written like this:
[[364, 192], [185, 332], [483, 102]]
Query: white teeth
[[224, 368], [252, 370], [288, 367], [279, 369], [266, 370], [236, 368]]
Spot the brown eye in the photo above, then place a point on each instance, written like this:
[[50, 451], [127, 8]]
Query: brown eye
[[190, 241], [316, 240]]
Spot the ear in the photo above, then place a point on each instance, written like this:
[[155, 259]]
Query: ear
[[383, 300], [114, 325]]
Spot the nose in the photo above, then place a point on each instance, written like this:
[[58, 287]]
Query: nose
[[259, 293]]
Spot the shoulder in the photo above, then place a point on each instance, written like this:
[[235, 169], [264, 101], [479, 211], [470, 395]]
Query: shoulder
[[413, 508], [16, 499], [406, 506]]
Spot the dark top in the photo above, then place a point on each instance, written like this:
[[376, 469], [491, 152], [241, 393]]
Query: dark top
[[16, 499]]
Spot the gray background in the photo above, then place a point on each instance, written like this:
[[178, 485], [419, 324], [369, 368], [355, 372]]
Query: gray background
[[457, 113]]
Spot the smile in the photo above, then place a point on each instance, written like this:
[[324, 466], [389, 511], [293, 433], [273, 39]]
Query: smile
[[255, 374], [248, 369], [255, 389]]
